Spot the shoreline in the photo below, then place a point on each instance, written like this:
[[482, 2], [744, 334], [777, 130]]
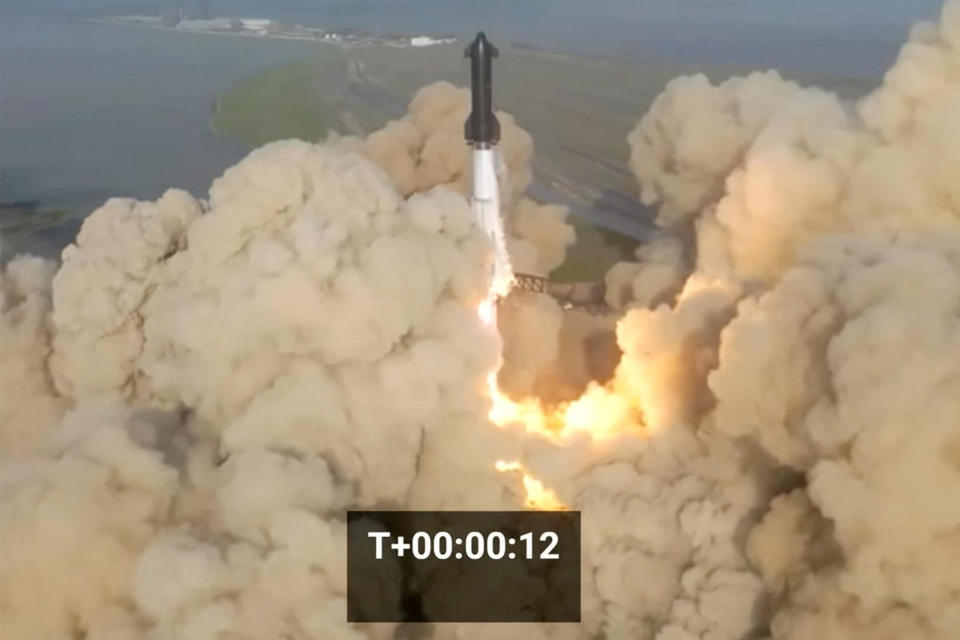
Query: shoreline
[[343, 41]]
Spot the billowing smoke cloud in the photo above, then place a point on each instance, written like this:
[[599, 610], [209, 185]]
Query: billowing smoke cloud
[[539, 238], [30, 406], [658, 274], [425, 149], [814, 348], [241, 372], [203, 388]]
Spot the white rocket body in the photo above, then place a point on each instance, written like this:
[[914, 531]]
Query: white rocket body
[[486, 209]]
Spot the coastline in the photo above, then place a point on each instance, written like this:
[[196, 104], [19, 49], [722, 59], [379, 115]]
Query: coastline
[[310, 34]]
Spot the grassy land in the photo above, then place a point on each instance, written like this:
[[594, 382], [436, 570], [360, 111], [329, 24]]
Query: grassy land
[[280, 103], [29, 227], [28, 216], [595, 251]]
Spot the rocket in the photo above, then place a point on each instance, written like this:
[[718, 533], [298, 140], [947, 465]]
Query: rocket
[[482, 131], [482, 127]]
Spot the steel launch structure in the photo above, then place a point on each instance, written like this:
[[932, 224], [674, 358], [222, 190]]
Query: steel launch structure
[[482, 132]]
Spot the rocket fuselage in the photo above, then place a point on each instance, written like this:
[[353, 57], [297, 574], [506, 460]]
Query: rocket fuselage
[[482, 128], [482, 131]]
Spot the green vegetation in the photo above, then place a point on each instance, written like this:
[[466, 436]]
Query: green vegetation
[[595, 251], [22, 217], [276, 104]]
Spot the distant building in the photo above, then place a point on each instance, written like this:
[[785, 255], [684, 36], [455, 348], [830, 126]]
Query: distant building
[[257, 25], [427, 41], [214, 24]]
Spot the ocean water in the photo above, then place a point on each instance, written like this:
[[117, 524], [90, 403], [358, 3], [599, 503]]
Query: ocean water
[[89, 111]]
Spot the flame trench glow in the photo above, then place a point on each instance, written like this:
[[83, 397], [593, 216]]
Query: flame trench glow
[[599, 413], [538, 496], [505, 411]]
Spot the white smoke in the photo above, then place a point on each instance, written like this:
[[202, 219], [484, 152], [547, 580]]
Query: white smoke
[[206, 386]]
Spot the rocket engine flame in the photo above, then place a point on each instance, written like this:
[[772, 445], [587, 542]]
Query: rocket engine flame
[[598, 413]]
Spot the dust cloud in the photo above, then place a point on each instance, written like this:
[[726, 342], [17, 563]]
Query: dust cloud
[[194, 395]]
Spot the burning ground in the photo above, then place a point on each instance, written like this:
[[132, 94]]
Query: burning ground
[[197, 392]]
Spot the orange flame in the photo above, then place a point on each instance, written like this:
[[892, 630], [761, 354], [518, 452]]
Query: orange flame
[[538, 496], [599, 413]]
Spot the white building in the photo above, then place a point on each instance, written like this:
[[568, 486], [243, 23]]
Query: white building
[[427, 41], [258, 25], [213, 24]]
